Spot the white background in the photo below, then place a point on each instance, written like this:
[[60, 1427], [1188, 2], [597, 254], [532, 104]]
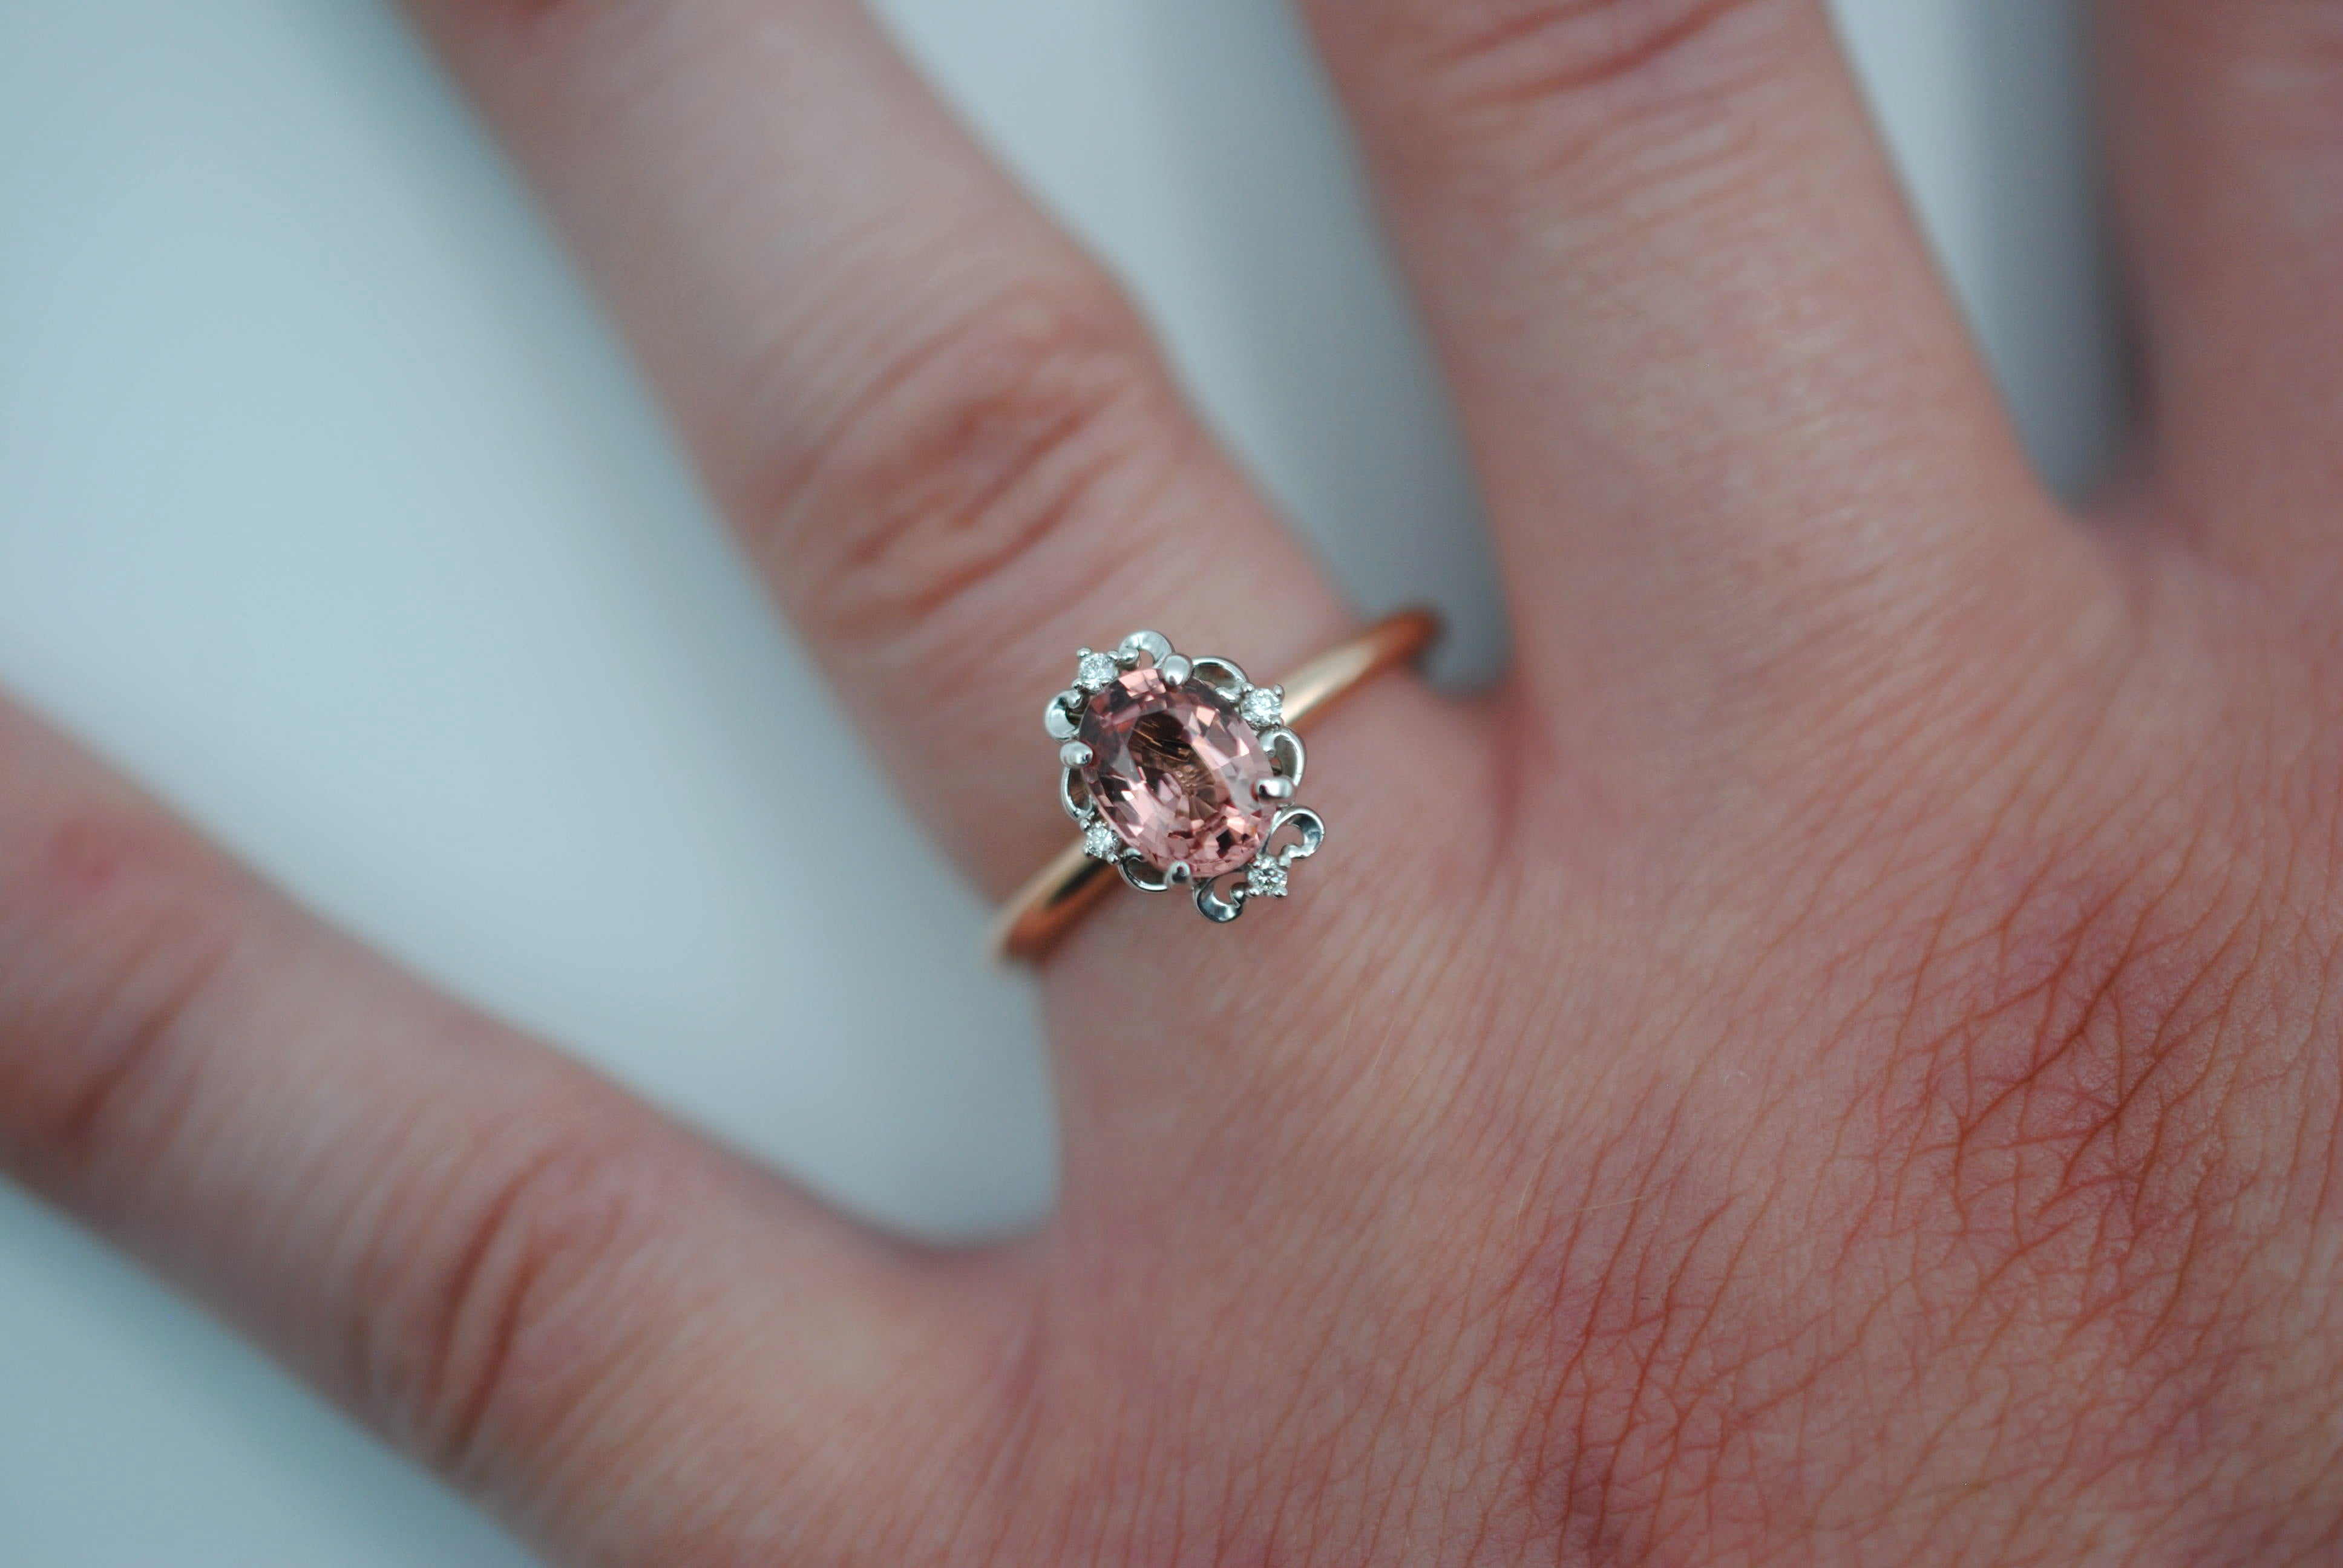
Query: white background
[[327, 509]]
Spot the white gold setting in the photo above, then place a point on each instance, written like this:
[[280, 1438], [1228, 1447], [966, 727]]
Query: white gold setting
[[1292, 831]]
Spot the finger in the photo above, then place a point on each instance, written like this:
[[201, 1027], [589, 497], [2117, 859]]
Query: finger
[[521, 1274], [2227, 152], [1731, 431], [938, 426]]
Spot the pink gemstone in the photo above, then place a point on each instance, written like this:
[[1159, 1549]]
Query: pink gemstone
[[1172, 771]]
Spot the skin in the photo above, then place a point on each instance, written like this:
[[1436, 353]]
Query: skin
[[1837, 1061]]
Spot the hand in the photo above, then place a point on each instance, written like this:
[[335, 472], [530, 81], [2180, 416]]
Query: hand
[[1837, 1061]]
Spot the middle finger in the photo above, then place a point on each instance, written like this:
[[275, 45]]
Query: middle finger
[[1738, 454]]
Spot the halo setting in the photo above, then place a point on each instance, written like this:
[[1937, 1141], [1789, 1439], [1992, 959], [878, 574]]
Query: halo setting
[[1182, 773]]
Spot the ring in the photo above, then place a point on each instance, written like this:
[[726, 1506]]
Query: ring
[[1182, 773]]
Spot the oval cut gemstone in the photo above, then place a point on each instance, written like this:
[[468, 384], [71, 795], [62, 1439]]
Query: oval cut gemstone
[[1172, 771]]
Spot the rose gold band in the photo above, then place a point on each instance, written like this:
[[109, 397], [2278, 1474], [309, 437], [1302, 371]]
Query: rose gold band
[[1048, 905]]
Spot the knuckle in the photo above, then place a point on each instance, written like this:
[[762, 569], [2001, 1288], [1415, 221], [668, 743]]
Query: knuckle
[[2101, 1065], [2097, 1078], [1630, 1316], [2074, 1084], [116, 939], [981, 444], [2079, 1079], [501, 1319]]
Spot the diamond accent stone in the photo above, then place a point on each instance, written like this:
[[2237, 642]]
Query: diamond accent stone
[[1100, 843], [1172, 771], [1095, 671], [1263, 707], [1265, 879]]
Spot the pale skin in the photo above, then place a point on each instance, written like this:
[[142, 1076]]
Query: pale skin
[[1840, 1059]]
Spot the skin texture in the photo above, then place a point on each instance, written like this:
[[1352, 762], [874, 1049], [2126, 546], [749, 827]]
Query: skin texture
[[1837, 1061]]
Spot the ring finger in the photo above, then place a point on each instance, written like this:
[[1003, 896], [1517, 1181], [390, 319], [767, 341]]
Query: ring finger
[[936, 426]]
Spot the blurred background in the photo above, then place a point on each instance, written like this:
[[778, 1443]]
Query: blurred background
[[329, 509]]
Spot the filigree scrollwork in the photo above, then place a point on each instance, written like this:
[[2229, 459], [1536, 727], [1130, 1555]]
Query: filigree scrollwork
[[1222, 676], [1265, 876], [1220, 898]]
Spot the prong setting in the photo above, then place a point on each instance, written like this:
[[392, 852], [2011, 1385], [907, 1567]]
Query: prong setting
[[1263, 707], [1095, 671], [1257, 711]]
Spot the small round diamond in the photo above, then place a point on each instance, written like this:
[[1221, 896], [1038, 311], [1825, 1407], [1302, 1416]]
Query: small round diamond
[[1095, 671], [1265, 879], [1100, 843], [1263, 707]]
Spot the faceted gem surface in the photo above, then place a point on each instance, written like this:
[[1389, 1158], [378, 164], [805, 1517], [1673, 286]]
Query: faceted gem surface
[[1172, 771]]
